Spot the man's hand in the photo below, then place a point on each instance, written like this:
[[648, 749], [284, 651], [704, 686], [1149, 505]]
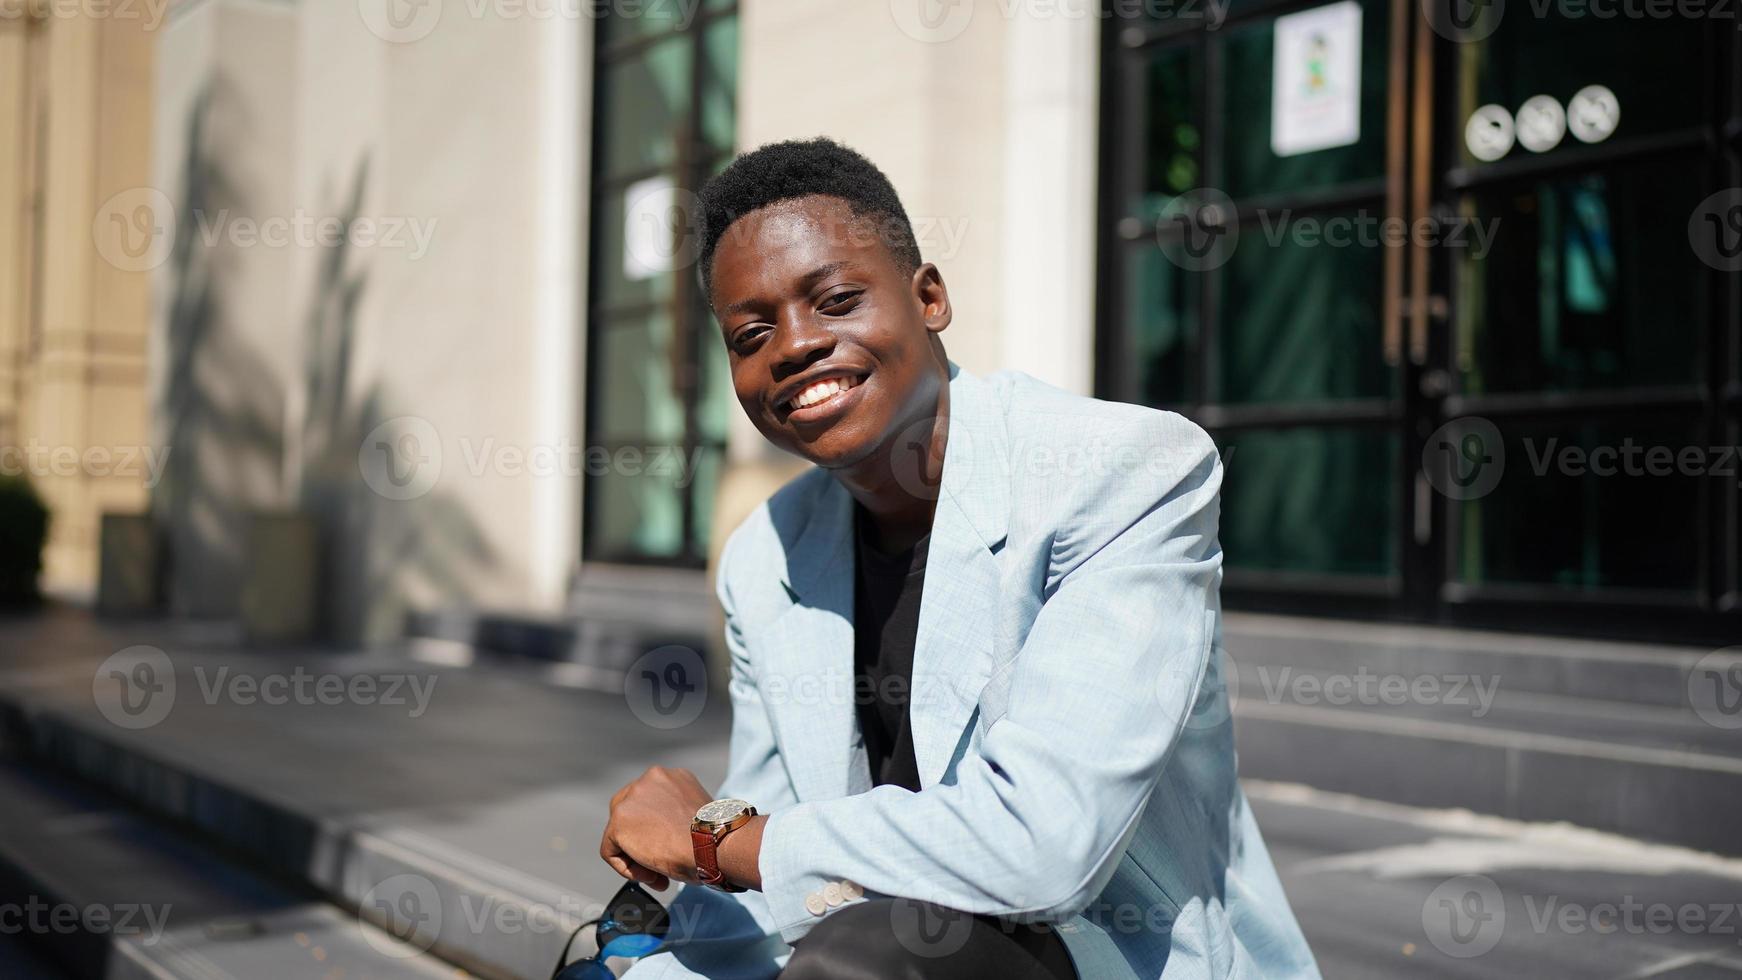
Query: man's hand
[[647, 838]]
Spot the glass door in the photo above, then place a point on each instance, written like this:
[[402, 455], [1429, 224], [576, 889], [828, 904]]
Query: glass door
[[1236, 286], [1433, 275], [1579, 393]]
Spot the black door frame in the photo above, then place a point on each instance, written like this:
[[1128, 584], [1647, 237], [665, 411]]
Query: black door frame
[[1418, 340]]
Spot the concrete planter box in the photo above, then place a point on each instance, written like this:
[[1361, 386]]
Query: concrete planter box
[[280, 601], [128, 566]]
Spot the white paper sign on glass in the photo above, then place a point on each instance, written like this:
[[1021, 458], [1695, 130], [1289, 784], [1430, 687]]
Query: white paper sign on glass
[[1315, 89], [650, 241]]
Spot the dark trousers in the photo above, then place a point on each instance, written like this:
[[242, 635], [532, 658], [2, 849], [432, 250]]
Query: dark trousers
[[900, 939]]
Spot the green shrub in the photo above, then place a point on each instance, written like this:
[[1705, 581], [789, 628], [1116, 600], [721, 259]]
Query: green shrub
[[23, 531]]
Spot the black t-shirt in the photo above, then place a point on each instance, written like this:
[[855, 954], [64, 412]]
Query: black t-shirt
[[886, 622]]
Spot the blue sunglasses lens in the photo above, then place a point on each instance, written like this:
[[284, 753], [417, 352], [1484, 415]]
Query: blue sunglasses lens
[[632, 944]]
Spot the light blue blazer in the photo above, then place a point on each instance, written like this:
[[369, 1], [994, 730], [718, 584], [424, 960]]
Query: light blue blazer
[[1075, 750]]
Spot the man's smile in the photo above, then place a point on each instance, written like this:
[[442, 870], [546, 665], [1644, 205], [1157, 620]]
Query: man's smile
[[822, 398]]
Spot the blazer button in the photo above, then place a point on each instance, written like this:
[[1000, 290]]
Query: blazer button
[[832, 893], [851, 892], [814, 904]]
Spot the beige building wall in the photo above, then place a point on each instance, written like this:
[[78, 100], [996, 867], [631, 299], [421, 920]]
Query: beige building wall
[[75, 128], [408, 376]]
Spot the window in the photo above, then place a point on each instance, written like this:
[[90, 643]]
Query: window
[[664, 116]]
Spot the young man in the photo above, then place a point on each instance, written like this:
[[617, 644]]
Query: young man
[[979, 727]]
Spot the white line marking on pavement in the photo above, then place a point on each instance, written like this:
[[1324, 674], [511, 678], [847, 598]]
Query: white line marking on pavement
[[1478, 843]]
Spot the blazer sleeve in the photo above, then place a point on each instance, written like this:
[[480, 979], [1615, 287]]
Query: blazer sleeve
[[1035, 823], [713, 933]]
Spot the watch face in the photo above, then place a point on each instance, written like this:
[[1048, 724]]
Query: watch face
[[721, 811]]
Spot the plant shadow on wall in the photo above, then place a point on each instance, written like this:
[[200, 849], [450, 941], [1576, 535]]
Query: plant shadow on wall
[[220, 403], [224, 415], [384, 556]]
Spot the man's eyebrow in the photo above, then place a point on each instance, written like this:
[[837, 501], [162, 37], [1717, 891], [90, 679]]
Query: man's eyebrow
[[806, 282]]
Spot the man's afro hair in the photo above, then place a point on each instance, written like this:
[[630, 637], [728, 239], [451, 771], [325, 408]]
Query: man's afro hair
[[798, 168]]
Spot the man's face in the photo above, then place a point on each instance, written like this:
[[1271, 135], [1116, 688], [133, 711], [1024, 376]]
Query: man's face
[[806, 293]]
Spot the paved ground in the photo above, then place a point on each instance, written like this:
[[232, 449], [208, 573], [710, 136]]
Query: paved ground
[[504, 772]]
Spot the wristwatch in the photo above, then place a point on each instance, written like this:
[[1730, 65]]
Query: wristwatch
[[712, 823]]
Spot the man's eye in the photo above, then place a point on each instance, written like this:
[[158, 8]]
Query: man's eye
[[749, 333], [840, 301]]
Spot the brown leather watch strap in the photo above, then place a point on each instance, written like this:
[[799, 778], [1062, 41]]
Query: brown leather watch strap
[[707, 857]]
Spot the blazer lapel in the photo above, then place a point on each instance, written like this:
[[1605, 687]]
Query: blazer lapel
[[954, 650], [807, 651]]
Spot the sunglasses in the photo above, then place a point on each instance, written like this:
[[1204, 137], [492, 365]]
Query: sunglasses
[[634, 924]]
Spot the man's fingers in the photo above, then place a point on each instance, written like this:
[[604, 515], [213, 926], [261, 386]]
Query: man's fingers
[[620, 865], [636, 872]]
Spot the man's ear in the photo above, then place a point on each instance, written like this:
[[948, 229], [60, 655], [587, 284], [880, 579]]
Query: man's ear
[[933, 297]]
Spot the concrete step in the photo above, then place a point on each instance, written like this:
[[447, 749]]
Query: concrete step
[[615, 614], [1628, 673], [107, 893], [1599, 735], [480, 813]]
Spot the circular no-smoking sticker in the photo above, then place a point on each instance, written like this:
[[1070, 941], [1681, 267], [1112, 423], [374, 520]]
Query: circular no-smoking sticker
[[1594, 114], [1541, 123], [1488, 133]]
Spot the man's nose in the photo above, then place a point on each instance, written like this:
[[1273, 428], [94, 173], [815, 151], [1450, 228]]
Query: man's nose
[[802, 340]]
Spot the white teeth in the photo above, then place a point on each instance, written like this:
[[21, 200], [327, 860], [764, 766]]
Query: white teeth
[[821, 391]]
